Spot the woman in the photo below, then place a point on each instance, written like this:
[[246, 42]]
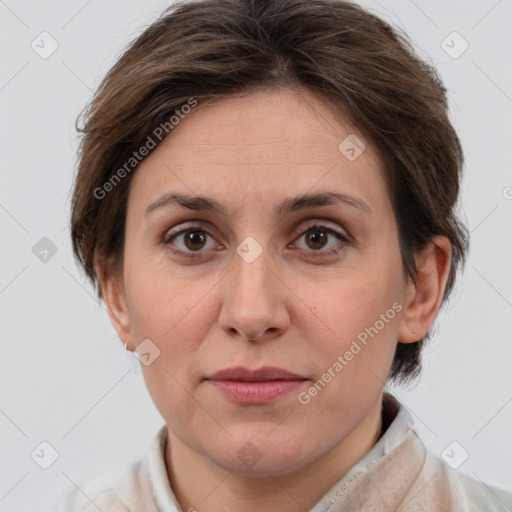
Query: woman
[[265, 201]]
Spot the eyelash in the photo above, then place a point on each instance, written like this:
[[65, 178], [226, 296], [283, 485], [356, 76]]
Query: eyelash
[[344, 240]]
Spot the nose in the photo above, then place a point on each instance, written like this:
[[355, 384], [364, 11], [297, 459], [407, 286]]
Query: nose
[[254, 302]]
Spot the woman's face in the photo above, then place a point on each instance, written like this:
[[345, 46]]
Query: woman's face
[[256, 285]]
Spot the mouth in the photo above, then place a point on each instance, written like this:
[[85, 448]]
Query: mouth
[[260, 386], [264, 374]]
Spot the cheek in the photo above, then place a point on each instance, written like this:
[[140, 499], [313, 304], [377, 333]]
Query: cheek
[[353, 365], [362, 313], [356, 302], [174, 312], [173, 316]]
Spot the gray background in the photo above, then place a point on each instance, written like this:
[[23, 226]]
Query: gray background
[[65, 378]]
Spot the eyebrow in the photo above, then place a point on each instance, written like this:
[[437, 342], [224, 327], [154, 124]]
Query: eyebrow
[[294, 204]]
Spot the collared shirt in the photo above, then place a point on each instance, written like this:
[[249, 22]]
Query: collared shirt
[[398, 473]]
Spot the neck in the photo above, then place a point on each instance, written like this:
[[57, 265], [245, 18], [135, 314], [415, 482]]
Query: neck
[[199, 484]]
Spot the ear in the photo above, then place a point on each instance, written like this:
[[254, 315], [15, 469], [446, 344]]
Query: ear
[[423, 298], [112, 288]]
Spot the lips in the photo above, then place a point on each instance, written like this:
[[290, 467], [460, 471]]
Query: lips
[[255, 387], [265, 374]]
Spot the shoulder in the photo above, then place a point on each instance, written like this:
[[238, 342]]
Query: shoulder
[[483, 497], [119, 490], [436, 481], [476, 495]]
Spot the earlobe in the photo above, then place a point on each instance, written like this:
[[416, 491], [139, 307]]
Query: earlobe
[[423, 298], [111, 285]]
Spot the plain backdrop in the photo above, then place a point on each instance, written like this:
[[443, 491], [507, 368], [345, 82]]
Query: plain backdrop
[[65, 378]]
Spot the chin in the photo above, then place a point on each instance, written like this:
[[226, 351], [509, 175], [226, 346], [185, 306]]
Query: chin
[[258, 454]]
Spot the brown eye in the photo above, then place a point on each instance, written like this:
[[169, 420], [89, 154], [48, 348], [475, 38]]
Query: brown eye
[[194, 240], [321, 241], [316, 238], [190, 241]]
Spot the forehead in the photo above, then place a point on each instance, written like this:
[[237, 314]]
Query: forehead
[[265, 144]]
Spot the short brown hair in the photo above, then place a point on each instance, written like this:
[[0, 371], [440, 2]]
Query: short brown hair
[[210, 49]]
